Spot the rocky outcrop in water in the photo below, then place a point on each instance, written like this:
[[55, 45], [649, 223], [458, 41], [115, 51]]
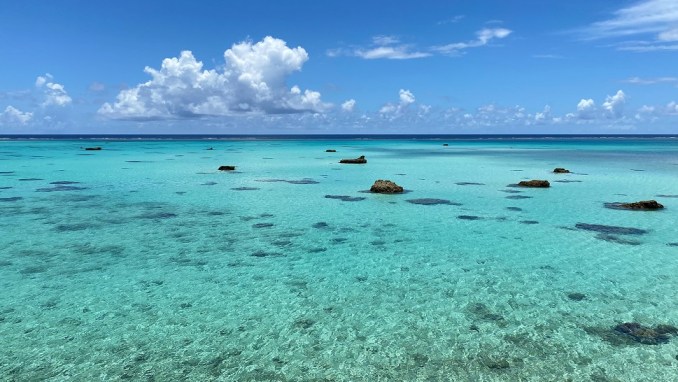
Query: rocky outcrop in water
[[535, 183], [641, 205], [386, 187], [226, 168], [330, 151], [360, 160], [560, 170], [95, 148]]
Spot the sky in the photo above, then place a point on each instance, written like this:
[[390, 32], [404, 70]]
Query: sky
[[339, 67]]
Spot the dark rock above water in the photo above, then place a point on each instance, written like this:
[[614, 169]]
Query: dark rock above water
[[96, 148], [560, 170], [360, 160], [386, 187], [330, 151], [534, 183], [643, 205], [226, 168]]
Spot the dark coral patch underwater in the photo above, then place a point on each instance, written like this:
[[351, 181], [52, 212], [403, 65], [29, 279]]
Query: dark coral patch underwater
[[345, 198], [301, 181], [11, 199], [432, 202], [609, 229]]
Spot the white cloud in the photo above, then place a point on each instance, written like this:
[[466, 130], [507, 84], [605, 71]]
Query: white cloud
[[401, 52], [586, 109], [406, 98], [390, 47], [651, 81], [452, 20], [672, 107], [253, 80], [385, 40], [614, 105], [544, 115], [647, 109], [483, 37], [12, 115], [55, 94], [653, 21], [348, 106], [669, 35], [548, 56]]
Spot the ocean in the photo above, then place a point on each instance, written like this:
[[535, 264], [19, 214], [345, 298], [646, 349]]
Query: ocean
[[142, 261]]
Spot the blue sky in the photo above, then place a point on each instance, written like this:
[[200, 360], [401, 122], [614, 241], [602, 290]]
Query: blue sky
[[244, 67]]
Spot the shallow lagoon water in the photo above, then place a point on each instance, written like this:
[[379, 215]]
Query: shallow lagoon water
[[143, 262]]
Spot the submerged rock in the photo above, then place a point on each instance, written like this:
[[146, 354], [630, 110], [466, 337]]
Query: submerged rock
[[432, 202], [345, 198], [226, 168], [536, 183], [11, 199], [301, 181], [469, 217], [643, 334], [643, 205], [560, 170], [469, 184], [576, 296], [386, 187], [609, 229], [360, 160], [617, 239]]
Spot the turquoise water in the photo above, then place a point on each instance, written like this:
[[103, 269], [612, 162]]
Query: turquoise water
[[143, 262]]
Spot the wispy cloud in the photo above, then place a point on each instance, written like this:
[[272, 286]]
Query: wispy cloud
[[652, 81], [401, 52], [651, 24], [483, 37], [548, 56], [390, 47], [451, 20]]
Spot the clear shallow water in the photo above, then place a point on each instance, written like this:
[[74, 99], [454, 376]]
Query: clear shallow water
[[155, 266]]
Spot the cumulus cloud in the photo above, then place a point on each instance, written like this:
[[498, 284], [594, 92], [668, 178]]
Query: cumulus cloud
[[614, 105], [54, 93], [12, 115], [406, 98], [648, 25], [348, 106], [586, 109], [253, 80], [544, 115]]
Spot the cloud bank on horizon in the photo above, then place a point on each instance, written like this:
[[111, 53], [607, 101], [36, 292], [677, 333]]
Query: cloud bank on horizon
[[268, 86]]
